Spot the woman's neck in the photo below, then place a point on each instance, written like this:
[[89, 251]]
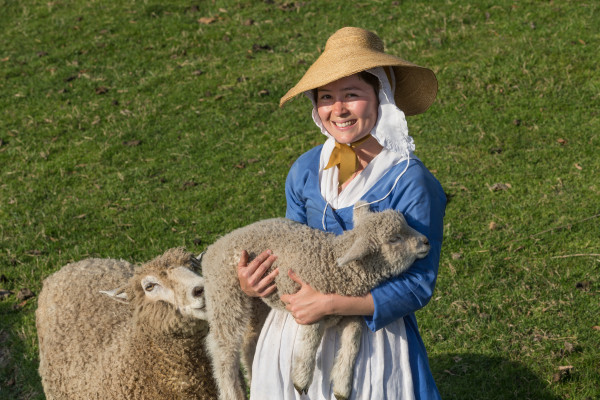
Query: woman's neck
[[367, 151]]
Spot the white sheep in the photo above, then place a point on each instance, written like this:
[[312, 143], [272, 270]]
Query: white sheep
[[147, 345], [381, 245]]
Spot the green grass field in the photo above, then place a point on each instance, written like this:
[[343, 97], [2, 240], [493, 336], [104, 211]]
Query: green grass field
[[127, 128]]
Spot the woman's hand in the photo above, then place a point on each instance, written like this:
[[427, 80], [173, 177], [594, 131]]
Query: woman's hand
[[307, 305], [252, 281]]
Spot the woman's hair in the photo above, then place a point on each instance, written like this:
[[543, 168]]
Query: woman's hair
[[365, 76], [370, 79]]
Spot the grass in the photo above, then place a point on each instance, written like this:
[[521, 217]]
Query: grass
[[128, 128]]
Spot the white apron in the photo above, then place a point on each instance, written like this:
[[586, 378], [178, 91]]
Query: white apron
[[382, 369]]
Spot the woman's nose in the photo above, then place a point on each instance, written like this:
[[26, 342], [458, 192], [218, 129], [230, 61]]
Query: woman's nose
[[339, 107]]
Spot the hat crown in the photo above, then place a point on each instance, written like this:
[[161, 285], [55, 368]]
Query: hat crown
[[350, 37]]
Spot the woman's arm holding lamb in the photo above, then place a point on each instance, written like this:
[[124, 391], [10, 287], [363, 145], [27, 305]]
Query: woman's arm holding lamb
[[308, 305], [423, 204]]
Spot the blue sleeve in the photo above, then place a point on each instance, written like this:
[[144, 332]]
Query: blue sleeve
[[295, 209], [423, 203]]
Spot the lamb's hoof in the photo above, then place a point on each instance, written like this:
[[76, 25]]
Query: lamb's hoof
[[340, 396], [300, 390]]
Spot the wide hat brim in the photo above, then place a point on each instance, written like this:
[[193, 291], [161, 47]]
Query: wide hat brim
[[352, 50]]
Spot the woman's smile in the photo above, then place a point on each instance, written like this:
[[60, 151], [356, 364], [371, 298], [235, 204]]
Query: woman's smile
[[344, 124]]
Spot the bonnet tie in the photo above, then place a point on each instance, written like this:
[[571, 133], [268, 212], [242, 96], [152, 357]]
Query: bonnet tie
[[344, 156]]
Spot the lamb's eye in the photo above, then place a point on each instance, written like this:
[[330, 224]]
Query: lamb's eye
[[149, 286], [395, 239]]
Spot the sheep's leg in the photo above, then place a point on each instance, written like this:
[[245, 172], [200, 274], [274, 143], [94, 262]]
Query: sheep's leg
[[305, 354], [343, 367]]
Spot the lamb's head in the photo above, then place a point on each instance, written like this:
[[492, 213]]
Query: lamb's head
[[385, 236], [166, 294]]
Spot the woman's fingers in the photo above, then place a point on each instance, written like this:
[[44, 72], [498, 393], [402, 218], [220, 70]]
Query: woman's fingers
[[307, 305], [266, 286], [295, 277], [261, 264], [268, 291], [251, 275]]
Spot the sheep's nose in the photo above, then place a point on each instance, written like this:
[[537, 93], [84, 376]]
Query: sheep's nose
[[425, 241], [198, 291]]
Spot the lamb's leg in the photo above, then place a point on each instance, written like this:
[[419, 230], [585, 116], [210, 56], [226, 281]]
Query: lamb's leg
[[226, 367], [230, 312], [259, 315], [343, 367], [305, 353]]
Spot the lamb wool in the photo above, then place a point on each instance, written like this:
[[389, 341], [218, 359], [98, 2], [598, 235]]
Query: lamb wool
[[381, 245]]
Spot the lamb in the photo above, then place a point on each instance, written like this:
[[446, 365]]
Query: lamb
[[381, 245], [148, 344]]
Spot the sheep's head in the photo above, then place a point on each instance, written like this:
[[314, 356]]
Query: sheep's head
[[386, 235], [167, 294]]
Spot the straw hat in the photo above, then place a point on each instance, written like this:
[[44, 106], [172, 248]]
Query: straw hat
[[352, 50]]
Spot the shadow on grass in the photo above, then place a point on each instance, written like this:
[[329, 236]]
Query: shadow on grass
[[475, 376], [19, 379], [459, 376]]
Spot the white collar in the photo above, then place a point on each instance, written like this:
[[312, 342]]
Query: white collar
[[360, 185]]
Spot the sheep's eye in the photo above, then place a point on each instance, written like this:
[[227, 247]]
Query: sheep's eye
[[149, 286]]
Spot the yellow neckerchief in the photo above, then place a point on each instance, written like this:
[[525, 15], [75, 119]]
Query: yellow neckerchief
[[344, 156]]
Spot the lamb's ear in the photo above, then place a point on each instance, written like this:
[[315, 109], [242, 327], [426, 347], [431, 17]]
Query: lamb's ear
[[361, 208], [117, 294], [359, 249]]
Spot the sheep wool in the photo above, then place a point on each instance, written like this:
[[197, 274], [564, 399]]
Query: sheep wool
[[381, 245], [142, 340]]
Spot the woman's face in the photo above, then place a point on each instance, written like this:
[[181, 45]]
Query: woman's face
[[347, 108]]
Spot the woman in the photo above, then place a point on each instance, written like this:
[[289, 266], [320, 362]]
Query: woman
[[360, 97]]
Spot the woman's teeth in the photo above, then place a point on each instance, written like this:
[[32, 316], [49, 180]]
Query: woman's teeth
[[343, 124]]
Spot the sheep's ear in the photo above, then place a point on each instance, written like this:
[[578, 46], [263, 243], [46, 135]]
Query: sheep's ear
[[359, 249], [361, 208], [117, 294], [196, 261]]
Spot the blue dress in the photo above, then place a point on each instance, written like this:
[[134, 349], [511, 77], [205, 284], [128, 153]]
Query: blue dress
[[419, 196]]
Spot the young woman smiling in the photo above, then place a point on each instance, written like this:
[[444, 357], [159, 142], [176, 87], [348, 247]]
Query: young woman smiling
[[348, 111], [360, 96]]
